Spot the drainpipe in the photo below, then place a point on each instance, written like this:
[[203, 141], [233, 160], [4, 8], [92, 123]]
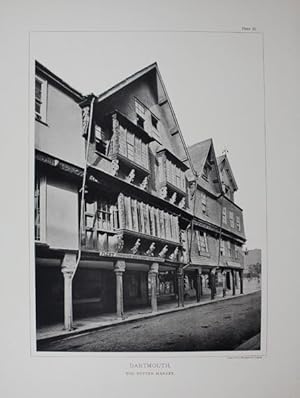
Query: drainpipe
[[191, 226], [82, 202], [221, 226]]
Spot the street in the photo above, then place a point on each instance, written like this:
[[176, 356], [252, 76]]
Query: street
[[213, 327]]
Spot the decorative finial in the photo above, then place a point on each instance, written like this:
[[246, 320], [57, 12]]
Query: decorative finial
[[225, 151]]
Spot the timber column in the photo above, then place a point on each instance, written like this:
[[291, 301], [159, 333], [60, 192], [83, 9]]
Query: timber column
[[153, 271], [119, 269], [180, 285], [233, 282], [212, 283], [224, 282], [68, 268], [241, 282], [198, 284]]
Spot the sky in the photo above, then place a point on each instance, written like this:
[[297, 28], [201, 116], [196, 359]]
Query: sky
[[214, 81]]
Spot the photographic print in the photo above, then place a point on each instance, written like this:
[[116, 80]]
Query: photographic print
[[149, 200]]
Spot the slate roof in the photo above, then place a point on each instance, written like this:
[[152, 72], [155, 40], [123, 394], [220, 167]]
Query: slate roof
[[222, 160], [198, 153]]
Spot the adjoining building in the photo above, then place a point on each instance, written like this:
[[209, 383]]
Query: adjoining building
[[125, 214]]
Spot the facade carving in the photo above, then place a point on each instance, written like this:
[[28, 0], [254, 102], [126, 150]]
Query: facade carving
[[127, 226]]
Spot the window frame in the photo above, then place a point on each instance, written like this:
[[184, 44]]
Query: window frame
[[42, 115], [224, 215], [231, 219], [203, 197], [222, 247], [238, 223], [202, 242], [140, 108], [42, 183], [236, 252], [100, 140]]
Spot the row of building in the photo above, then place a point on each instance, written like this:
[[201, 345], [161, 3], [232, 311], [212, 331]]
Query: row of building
[[126, 215]]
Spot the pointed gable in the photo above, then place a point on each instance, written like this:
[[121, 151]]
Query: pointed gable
[[205, 164], [145, 90], [229, 185]]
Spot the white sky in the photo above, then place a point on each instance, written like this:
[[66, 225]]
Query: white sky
[[214, 81]]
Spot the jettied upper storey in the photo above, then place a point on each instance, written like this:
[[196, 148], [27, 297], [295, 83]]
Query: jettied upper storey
[[143, 95]]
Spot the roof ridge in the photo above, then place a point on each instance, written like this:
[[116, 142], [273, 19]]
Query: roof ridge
[[200, 142], [128, 78]]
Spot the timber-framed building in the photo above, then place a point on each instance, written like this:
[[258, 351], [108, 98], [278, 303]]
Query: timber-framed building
[[126, 215]]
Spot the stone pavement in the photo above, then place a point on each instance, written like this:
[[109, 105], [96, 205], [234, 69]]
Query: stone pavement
[[251, 344], [56, 331]]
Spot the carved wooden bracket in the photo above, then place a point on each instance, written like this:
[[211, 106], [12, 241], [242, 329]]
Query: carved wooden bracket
[[163, 252], [120, 266], [192, 189], [131, 176], [151, 249], [115, 167], [120, 243], [85, 119], [154, 268], [144, 183], [173, 256], [173, 198], [163, 192], [136, 246], [181, 204]]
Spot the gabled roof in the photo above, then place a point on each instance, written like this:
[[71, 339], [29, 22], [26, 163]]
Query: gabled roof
[[165, 141], [126, 81], [199, 153], [223, 162]]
